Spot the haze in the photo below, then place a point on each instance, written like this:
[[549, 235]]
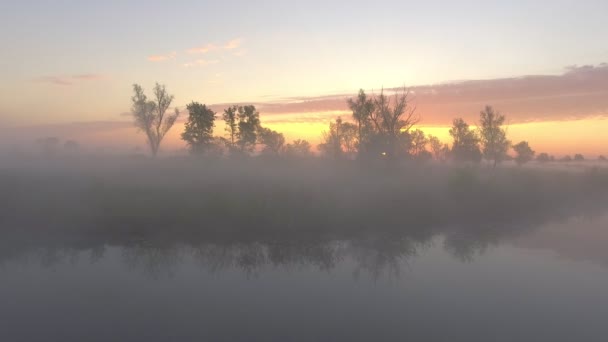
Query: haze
[[303, 171]]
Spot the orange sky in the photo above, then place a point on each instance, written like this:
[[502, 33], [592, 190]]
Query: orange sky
[[558, 114]]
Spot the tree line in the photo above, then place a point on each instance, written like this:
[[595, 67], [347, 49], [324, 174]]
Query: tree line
[[244, 131], [382, 127]]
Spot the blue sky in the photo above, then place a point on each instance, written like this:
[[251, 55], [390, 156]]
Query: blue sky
[[280, 49]]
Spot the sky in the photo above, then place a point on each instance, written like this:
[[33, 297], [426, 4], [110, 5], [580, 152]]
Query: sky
[[68, 66]]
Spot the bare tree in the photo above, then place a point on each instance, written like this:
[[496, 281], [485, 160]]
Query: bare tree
[[151, 117], [392, 116]]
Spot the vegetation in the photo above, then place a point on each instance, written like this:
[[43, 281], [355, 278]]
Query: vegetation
[[151, 117], [493, 137], [465, 147], [544, 158], [198, 131], [524, 153]]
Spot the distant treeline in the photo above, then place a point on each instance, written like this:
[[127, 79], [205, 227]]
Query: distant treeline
[[382, 127]]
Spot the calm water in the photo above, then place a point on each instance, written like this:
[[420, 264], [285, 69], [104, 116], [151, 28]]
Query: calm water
[[546, 283]]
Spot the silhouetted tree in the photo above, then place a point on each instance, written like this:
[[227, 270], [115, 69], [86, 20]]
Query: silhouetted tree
[[579, 157], [299, 148], [249, 123], [524, 153], [348, 137], [230, 117], [362, 108], [273, 141], [602, 158], [331, 144], [198, 131], [392, 117], [566, 159], [439, 150], [465, 147], [543, 158], [150, 116], [493, 137], [418, 142]]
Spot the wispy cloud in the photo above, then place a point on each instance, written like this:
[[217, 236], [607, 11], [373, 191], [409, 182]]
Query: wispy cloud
[[202, 49], [229, 45], [233, 44], [162, 58], [200, 62], [68, 80], [240, 53]]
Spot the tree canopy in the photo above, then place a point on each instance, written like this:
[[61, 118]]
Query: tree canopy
[[198, 130]]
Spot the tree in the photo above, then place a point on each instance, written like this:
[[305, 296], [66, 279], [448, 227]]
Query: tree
[[249, 123], [299, 148], [493, 137], [543, 158], [230, 117], [524, 153], [465, 147], [418, 142], [602, 158], [439, 150], [150, 116], [579, 157], [198, 131], [273, 141], [566, 159], [348, 138], [362, 108], [392, 117], [332, 140]]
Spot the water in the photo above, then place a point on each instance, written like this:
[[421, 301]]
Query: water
[[543, 283]]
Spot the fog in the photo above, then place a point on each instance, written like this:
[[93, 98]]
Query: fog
[[172, 194], [187, 247], [265, 198]]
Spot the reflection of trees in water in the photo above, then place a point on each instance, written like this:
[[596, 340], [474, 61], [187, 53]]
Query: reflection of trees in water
[[375, 252], [386, 254], [374, 255], [153, 260]]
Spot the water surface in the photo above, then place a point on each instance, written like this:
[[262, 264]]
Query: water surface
[[543, 283]]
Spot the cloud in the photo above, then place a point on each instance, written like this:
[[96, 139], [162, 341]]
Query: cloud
[[88, 77], [200, 62], [579, 92], [68, 80], [240, 53], [229, 45], [233, 44], [202, 49], [162, 58]]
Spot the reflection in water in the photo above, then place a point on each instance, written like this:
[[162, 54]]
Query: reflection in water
[[490, 283], [375, 254]]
